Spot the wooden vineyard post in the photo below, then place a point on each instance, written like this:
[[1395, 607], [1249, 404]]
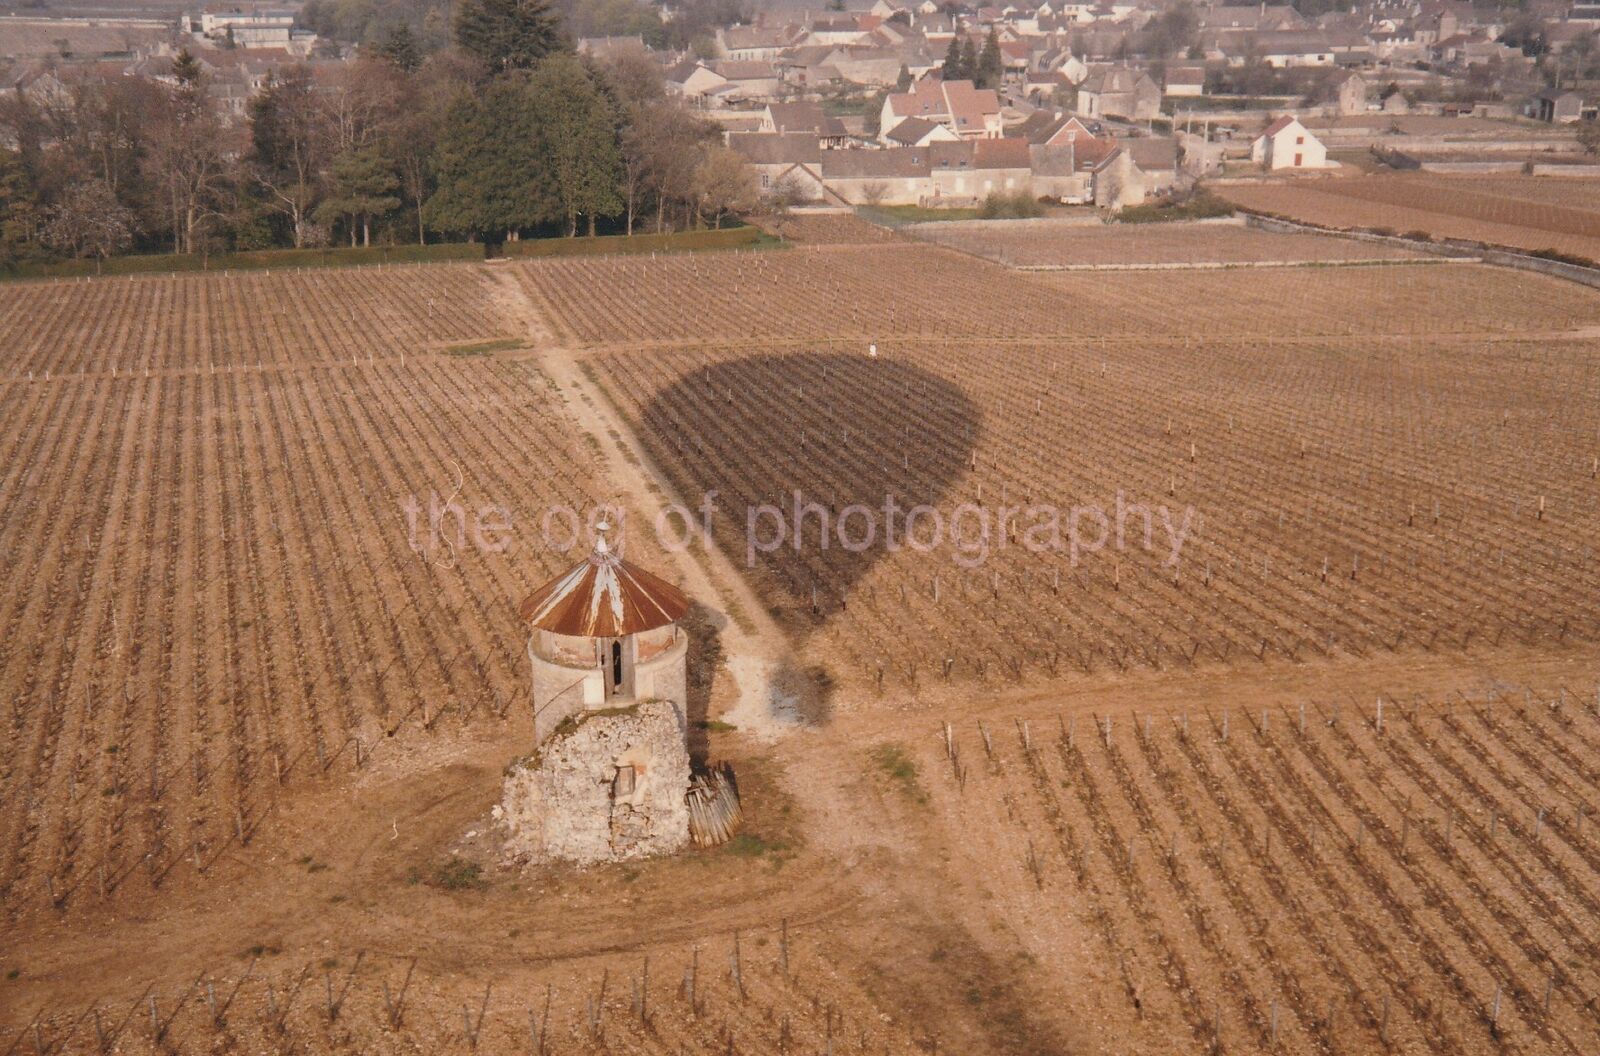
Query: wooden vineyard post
[[544, 1020], [690, 981]]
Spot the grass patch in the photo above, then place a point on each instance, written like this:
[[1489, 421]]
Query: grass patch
[[1558, 257], [749, 845], [901, 215], [1018, 206], [893, 762], [716, 726], [458, 874], [672, 242], [1202, 205], [484, 348], [743, 237]]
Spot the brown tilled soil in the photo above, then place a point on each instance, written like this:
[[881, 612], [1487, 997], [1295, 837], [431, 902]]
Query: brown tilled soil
[[217, 606], [1529, 214]]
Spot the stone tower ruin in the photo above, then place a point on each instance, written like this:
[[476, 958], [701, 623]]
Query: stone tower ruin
[[609, 773]]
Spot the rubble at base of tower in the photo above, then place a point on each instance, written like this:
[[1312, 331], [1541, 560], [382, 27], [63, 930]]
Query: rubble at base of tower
[[606, 786]]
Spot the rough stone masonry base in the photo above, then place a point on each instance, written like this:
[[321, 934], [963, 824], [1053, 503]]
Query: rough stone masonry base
[[606, 786]]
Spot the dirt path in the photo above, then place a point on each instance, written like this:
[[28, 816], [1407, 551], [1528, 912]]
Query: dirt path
[[758, 649]]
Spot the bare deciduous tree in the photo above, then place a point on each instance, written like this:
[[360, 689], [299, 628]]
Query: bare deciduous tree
[[89, 221]]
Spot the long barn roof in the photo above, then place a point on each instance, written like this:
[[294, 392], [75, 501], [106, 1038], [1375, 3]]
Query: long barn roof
[[603, 597]]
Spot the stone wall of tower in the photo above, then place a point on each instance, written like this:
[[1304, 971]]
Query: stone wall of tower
[[608, 787], [563, 690]]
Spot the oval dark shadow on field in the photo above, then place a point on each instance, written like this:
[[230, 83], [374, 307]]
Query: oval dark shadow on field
[[842, 431]]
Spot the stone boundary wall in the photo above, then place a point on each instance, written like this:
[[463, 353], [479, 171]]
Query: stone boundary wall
[[1454, 248], [1590, 171]]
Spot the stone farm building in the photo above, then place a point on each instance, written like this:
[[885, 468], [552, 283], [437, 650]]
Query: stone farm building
[[1055, 156]]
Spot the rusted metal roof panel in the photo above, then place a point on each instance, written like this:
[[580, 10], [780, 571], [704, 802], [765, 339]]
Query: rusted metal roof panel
[[603, 597]]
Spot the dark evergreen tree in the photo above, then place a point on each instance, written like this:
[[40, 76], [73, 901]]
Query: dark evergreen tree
[[577, 127], [19, 208], [364, 186], [990, 66], [399, 45], [487, 165], [954, 60], [508, 34]]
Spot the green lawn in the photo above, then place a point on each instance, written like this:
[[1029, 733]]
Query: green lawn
[[743, 237]]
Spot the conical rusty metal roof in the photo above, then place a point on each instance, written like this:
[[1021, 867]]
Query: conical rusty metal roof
[[603, 597]]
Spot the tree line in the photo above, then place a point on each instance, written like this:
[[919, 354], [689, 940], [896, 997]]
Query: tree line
[[506, 133]]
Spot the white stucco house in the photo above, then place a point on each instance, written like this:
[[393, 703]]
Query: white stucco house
[[1287, 144]]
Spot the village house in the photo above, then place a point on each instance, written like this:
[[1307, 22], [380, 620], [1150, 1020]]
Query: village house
[[1115, 181], [1119, 91], [985, 167], [869, 67], [807, 118], [1561, 108], [1347, 92], [750, 80], [1058, 175], [1185, 81], [1250, 18], [771, 155], [756, 42], [917, 132], [840, 28], [1156, 158], [79, 40], [971, 113], [1287, 144], [245, 27], [1054, 128], [809, 67], [694, 81], [1283, 50], [607, 48], [879, 177]]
